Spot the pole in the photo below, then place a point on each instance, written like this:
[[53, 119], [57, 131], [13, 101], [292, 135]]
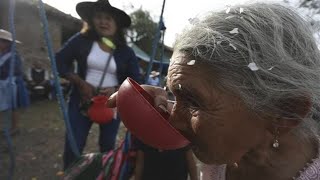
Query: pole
[[155, 42]]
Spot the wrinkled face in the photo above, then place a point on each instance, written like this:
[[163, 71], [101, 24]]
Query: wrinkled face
[[218, 124], [104, 24]]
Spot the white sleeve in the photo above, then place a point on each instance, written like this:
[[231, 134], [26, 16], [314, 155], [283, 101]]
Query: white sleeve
[[29, 74]]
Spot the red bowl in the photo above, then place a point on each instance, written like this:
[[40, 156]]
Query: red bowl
[[136, 110]]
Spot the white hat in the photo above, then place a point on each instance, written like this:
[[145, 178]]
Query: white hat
[[6, 35], [154, 74]]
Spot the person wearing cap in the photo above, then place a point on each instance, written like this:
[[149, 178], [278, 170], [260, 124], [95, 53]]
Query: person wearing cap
[[154, 78], [91, 54], [16, 97]]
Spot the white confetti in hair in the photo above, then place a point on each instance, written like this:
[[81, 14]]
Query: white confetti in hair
[[253, 66], [228, 10], [229, 17], [191, 63], [241, 10], [234, 31], [234, 47], [271, 68]]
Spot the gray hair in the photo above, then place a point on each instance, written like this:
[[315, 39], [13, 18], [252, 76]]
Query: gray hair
[[274, 40]]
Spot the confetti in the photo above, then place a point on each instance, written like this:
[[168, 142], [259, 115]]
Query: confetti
[[241, 10], [179, 87], [234, 31], [253, 66], [229, 17], [235, 48], [271, 68], [192, 62], [228, 10]]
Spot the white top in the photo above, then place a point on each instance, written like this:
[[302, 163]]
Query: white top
[[96, 61]]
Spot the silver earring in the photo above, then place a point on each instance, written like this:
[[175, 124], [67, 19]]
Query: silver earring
[[235, 165], [276, 143]]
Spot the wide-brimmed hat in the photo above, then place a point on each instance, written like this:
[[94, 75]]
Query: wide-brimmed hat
[[154, 74], [6, 35], [85, 10]]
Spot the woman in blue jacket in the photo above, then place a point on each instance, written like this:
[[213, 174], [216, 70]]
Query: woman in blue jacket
[[91, 54]]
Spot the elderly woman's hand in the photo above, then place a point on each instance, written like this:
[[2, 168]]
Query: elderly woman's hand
[[159, 95]]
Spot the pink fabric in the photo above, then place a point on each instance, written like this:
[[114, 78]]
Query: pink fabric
[[311, 172]]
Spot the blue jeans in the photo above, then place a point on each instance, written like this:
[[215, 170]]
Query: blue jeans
[[80, 128]]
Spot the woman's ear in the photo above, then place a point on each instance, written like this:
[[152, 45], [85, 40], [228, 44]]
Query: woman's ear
[[293, 111]]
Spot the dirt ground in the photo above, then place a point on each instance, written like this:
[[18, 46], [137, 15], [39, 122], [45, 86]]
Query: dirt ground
[[39, 145]]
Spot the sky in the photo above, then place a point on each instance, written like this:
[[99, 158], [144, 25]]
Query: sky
[[176, 12]]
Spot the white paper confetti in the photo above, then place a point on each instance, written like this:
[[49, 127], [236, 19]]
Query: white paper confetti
[[241, 10], [219, 42], [271, 68], [191, 63], [234, 47], [228, 10], [234, 31], [229, 17], [253, 66]]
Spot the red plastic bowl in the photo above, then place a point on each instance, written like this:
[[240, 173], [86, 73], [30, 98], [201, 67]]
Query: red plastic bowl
[[138, 114]]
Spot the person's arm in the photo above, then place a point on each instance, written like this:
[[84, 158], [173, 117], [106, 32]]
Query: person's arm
[[28, 74], [139, 165], [86, 89], [46, 75], [192, 167], [66, 56]]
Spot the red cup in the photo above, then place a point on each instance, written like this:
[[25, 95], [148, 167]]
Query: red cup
[[136, 110], [99, 112]]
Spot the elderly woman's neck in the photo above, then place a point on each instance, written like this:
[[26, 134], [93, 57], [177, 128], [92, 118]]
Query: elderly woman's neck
[[283, 163]]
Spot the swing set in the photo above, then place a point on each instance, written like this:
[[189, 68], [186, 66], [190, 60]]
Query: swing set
[[109, 157]]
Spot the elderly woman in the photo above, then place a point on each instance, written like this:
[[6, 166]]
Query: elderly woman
[[246, 82]]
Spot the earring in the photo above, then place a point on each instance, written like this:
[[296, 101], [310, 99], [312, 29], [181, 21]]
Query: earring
[[276, 143], [235, 165]]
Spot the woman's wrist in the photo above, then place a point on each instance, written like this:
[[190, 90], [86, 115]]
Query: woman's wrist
[[75, 79]]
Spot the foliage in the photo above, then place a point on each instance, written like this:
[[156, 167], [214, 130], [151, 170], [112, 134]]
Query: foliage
[[143, 29]]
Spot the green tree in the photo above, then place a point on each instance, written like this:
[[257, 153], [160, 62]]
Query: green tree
[[142, 30]]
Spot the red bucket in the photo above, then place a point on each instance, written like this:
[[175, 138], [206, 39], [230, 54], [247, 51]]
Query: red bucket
[[136, 110], [99, 112]]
